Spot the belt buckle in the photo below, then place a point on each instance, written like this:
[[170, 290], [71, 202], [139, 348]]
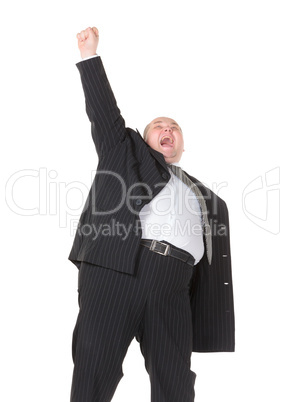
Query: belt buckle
[[153, 244]]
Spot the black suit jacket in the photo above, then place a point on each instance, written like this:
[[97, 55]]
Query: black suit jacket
[[129, 174]]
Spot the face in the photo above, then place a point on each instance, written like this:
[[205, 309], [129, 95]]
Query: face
[[165, 136]]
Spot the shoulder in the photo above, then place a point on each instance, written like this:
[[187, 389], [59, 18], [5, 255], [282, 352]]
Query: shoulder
[[136, 140]]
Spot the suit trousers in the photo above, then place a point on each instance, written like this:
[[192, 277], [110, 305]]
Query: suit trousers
[[152, 306]]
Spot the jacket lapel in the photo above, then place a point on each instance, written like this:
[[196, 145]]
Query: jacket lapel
[[159, 157]]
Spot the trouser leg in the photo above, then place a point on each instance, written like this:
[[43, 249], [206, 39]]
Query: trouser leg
[[105, 327], [166, 335]]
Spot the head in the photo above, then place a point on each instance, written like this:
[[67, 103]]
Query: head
[[164, 135]]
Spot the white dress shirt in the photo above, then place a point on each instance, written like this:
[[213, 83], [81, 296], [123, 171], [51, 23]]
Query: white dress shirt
[[174, 215]]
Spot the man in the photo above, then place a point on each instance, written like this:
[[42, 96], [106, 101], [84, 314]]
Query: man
[[153, 252]]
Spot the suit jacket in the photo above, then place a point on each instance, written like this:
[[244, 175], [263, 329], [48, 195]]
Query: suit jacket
[[129, 174]]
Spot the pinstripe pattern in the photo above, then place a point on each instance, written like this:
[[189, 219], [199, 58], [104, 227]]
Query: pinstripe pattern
[[152, 306], [120, 150], [212, 294], [123, 152]]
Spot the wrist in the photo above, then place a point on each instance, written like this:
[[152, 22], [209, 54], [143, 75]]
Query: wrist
[[86, 54]]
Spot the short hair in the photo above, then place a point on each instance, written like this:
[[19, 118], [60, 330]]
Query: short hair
[[146, 131]]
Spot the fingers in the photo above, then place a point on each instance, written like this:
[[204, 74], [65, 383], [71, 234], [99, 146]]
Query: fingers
[[83, 35], [95, 30]]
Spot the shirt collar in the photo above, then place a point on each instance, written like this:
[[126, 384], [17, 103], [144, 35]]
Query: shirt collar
[[176, 164]]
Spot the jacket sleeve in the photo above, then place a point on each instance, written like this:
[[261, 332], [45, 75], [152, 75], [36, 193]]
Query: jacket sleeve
[[107, 124]]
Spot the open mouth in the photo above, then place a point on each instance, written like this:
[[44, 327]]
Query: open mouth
[[166, 141]]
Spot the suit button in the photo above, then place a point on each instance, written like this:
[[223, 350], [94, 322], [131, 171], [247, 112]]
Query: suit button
[[138, 202], [164, 176]]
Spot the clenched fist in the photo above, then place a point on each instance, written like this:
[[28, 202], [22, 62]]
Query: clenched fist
[[88, 42]]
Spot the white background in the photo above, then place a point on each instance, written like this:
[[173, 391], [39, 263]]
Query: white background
[[217, 67]]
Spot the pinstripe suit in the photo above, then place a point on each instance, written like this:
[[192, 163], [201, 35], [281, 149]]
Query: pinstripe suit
[[130, 174]]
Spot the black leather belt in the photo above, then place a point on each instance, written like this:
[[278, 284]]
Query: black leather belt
[[166, 249]]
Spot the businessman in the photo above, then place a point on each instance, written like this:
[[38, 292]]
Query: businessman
[[153, 251]]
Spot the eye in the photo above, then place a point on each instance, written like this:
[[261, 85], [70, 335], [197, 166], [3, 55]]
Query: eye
[[157, 127]]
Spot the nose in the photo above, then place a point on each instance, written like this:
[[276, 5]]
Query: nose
[[167, 130]]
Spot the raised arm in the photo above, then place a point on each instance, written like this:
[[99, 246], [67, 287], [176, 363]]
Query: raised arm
[[107, 124]]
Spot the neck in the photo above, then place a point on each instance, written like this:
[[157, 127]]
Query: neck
[[171, 160]]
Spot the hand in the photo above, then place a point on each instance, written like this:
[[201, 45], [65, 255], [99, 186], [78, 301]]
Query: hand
[[88, 42]]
